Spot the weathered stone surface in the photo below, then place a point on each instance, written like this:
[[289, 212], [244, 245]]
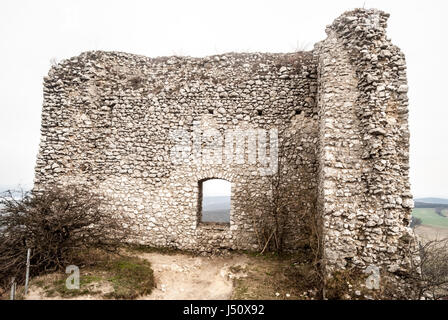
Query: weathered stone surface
[[106, 124], [362, 92]]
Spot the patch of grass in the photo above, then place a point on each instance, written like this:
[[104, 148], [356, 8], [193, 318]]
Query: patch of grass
[[340, 285], [59, 288], [305, 277], [290, 275], [267, 279], [131, 277], [241, 290], [122, 277], [38, 282], [430, 217]]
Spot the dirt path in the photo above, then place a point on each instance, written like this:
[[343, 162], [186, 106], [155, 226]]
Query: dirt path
[[186, 277]]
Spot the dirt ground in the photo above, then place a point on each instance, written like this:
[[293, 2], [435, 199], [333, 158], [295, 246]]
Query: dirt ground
[[182, 276], [187, 277], [431, 232]]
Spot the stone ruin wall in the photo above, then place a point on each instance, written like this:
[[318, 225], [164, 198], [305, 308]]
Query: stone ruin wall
[[364, 192], [341, 111], [106, 124]]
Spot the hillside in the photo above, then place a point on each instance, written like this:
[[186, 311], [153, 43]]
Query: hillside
[[432, 200], [216, 209]]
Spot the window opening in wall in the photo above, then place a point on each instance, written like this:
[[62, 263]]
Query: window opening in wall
[[214, 200], [259, 112], [298, 111]]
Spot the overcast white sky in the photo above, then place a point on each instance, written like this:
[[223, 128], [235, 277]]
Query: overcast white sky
[[216, 187], [34, 32]]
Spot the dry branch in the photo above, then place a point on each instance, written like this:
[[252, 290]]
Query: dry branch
[[57, 225]]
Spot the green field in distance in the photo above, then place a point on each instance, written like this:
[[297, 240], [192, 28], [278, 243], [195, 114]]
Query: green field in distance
[[430, 217]]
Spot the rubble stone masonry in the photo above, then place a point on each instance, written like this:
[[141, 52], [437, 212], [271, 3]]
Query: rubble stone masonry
[[340, 112]]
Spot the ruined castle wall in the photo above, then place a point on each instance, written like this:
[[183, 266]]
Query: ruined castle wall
[[112, 122], [108, 121], [364, 193]]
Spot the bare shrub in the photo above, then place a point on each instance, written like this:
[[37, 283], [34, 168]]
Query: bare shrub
[[429, 274], [415, 222], [276, 213], [271, 219], [271, 212], [57, 225], [440, 211], [426, 277]]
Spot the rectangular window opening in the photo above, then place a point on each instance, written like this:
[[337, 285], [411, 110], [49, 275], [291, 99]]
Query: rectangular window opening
[[214, 201]]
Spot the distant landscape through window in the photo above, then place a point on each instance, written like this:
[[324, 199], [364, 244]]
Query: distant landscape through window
[[216, 200]]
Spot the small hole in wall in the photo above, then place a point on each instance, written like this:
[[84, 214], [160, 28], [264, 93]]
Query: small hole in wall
[[210, 111], [298, 111], [260, 112]]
